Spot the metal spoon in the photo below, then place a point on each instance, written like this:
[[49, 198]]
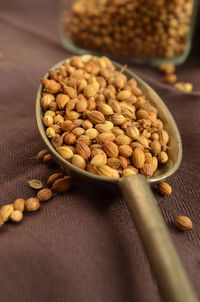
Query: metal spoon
[[164, 261]]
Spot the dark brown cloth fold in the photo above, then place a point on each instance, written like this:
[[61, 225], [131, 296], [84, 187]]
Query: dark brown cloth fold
[[81, 246]]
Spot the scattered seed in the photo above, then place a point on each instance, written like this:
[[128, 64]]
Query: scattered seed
[[16, 216], [184, 223], [44, 194], [19, 204], [32, 204], [35, 184], [52, 178]]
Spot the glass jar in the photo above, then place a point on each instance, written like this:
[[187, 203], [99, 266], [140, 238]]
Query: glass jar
[[146, 31]]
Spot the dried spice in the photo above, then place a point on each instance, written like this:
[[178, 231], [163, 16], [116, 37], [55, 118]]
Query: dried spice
[[183, 87], [52, 178], [19, 204], [164, 188], [6, 211], [184, 223], [16, 216], [44, 194], [106, 125], [129, 28], [35, 184], [32, 204], [62, 184]]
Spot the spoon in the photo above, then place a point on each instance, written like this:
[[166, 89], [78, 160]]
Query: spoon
[[168, 270]]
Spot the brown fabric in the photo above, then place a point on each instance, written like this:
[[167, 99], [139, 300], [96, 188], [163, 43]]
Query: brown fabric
[[82, 245]]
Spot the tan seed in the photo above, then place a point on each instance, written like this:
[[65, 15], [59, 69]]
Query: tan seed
[[103, 137], [124, 95], [167, 68], [6, 211], [35, 184], [111, 149], [122, 140], [123, 162], [51, 86], [62, 184], [184, 223], [164, 136], [16, 216], [113, 163], [62, 100], [162, 157], [69, 139], [97, 151], [19, 204], [72, 116], [128, 171], [48, 120], [117, 119], [164, 188], [115, 106], [91, 90], [143, 141], [154, 163], [132, 132], [141, 114], [125, 150], [32, 204], [50, 132], [104, 127], [99, 160], [96, 117], [78, 161], [138, 158], [42, 153], [81, 106], [57, 141], [52, 178], [67, 126], [147, 170], [107, 171], [90, 168], [91, 133], [44, 194], [87, 124], [155, 147], [170, 78], [117, 131], [148, 158], [84, 139], [83, 150], [65, 152], [105, 109], [48, 159], [78, 131], [71, 92]]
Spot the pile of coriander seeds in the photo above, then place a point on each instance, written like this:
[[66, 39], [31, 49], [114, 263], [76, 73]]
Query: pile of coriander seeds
[[100, 121], [140, 28]]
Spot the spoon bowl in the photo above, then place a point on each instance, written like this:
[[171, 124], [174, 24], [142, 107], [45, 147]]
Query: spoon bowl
[[175, 145]]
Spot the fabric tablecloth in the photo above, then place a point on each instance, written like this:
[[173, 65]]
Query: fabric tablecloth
[[81, 246]]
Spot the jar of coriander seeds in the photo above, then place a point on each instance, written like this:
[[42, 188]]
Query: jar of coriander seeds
[[144, 31]]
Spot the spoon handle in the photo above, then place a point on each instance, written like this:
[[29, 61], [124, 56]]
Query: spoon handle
[[165, 263]]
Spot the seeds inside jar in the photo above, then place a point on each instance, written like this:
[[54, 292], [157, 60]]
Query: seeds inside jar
[[137, 28]]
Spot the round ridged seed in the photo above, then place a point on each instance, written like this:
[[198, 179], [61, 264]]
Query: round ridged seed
[[111, 149], [138, 158], [96, 117]]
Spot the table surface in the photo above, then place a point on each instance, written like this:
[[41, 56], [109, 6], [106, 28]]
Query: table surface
[[82, 245]]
